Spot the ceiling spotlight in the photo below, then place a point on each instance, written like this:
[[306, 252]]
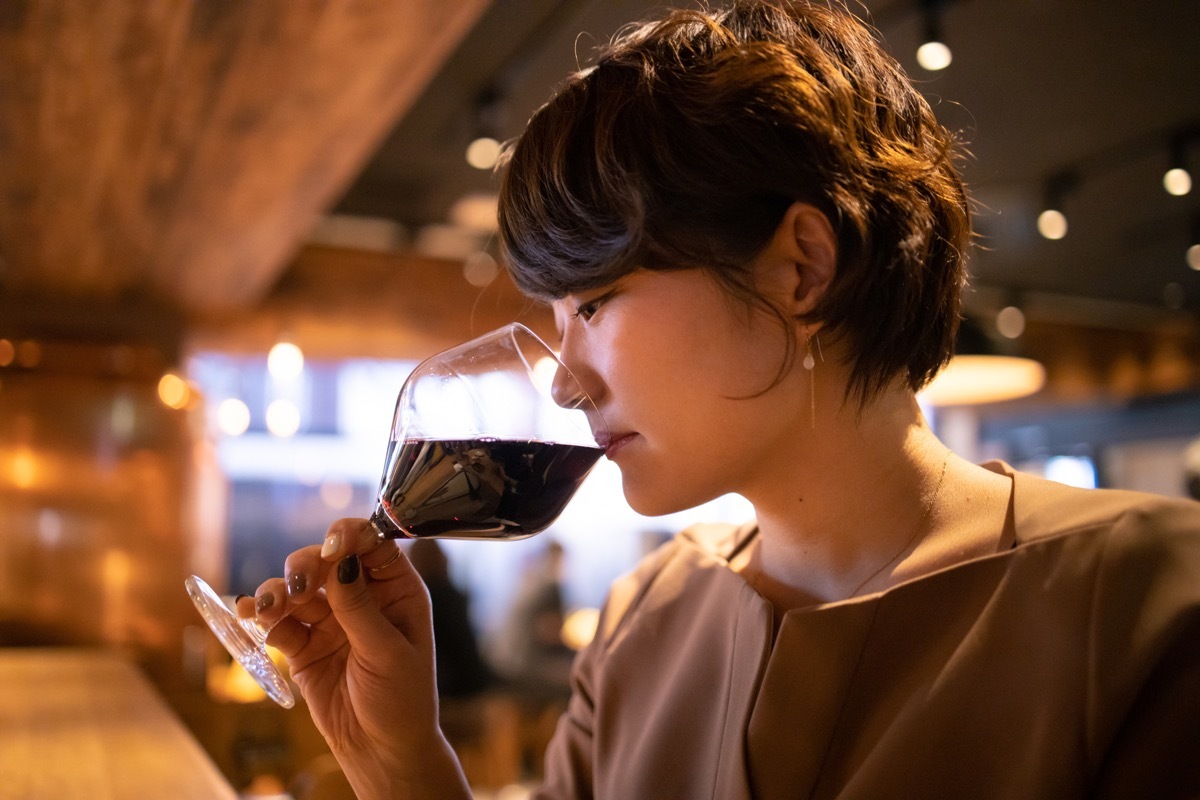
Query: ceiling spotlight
[[1010, 322], [1052, 222], [933, 54], [483, 152], [285, 361], [233, 417], [283, 418], [1193, 251], [1177, 180], [487, 119]]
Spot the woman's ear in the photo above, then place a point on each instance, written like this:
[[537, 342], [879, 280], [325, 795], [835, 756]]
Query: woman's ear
[[805, 253]]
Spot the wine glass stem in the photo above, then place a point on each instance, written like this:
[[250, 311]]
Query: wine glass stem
[[384, 528], [256, 632]]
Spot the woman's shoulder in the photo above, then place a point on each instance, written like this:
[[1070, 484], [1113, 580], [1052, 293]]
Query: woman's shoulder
[[1140, 544], [676, 567], [1044, 508]]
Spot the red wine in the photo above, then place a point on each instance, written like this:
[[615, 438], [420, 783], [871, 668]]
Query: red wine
[[478, 488]]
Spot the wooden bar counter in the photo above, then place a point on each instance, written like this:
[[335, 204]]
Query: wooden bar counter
[[83, 723]]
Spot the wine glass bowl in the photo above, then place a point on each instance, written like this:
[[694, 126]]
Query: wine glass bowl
[[490, 440]]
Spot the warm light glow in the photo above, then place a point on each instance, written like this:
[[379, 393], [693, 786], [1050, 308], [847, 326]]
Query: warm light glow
[[1177, 181], [7, 352], [122, 418], [934, 56], [1010, 322], [336, 495], [173, 391], [233, 417], [283, 418], [513, 791], [1193, 257], [1052, 224], [24, 468], [480, 269], [969, 380], [29, 354], [232, 683], [50, 527], [285, 361], [579, 627], [476, 211], [483, 152], [544, 371]]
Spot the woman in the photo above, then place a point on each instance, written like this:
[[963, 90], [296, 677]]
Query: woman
[[752, 232]]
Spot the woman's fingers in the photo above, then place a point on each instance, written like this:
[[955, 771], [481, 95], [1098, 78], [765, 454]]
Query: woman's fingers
[[294, 632], [350, 536], [350, 545], [380, 558], [373, 612], [304, 574], [269, 602], [306, 570]]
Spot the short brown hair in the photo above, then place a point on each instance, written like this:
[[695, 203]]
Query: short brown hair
[[686, 142]]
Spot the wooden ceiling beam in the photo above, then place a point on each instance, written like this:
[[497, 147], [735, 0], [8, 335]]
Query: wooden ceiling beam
[[185, 149]]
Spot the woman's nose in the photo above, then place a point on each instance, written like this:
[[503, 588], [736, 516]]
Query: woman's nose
[[565, 389]]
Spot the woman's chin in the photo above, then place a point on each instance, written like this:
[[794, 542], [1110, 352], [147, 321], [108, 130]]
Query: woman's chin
[[656, 501]]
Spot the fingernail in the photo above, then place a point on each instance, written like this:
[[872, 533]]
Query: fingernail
[[238, 599], [264, 602], [333, 544], [348, 569], [296, 584]]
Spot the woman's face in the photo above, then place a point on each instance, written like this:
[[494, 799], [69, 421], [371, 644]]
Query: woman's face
[[677, 369]]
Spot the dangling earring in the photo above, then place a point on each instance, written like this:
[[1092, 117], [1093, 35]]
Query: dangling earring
[[809, 365]]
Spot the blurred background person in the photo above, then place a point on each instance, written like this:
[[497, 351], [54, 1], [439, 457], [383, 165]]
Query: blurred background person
[[462, 671], [530, 653], [531, 656]]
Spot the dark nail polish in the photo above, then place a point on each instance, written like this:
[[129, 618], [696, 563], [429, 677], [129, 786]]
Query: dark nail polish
[[296, 584], [264, 602], [348, 569], [238, 599]]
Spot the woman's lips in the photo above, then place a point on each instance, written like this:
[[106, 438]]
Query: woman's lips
[[613, 444]]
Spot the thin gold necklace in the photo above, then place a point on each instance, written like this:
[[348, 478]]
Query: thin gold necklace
[[916, 531]]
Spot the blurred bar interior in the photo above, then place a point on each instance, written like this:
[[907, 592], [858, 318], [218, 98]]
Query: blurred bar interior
[[188, 186]]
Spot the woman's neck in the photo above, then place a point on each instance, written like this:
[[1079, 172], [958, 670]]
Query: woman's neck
[[874, 499]]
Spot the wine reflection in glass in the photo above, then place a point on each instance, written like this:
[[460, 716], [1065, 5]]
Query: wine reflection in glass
[[490, 440]]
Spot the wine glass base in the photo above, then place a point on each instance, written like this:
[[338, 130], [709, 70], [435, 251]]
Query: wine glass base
[[237, 640]]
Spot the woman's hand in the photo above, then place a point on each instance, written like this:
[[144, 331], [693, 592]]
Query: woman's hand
[[353, 619]]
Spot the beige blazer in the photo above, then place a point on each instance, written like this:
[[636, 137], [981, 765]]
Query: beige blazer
[[1067, 664]]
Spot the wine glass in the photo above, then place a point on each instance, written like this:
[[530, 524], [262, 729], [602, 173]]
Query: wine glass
[[490, 440]]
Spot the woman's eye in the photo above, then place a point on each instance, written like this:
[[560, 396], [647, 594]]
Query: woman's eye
[[586, 310]]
